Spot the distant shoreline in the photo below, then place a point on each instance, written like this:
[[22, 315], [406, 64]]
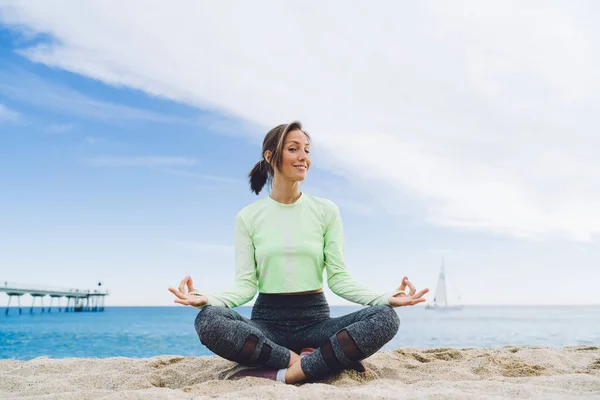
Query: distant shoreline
[[25, 306]]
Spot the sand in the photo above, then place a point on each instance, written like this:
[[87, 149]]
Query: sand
[[445, 373]]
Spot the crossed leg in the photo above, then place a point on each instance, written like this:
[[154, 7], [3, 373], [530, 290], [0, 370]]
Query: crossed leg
[[341, 342], [236, 338]]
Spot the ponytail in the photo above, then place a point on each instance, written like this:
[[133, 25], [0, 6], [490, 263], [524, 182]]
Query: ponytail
[[259, 176], [273, 142]]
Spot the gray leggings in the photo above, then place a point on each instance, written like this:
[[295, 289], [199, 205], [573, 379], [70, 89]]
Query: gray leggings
[[280, 323]]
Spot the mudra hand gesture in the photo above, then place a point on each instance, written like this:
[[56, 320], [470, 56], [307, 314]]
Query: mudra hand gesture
[[407, 299], [184, 297]]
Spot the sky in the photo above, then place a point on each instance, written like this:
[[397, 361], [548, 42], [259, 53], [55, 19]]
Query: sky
[[458, 130]]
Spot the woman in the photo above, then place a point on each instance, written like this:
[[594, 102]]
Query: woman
[[282, 244]]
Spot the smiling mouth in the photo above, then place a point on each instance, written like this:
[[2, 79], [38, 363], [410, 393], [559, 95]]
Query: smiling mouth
[[300, 167]]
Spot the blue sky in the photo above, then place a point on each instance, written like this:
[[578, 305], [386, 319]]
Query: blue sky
[[126, 161]]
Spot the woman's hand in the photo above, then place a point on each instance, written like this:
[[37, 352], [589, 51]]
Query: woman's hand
[[184, 297], [407, 299]]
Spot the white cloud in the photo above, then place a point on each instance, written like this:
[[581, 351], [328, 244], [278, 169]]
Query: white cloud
[[441, 251], [341, 198], [481, 114], [144, 161], [94, 140], [59, 128], [202, 176], [22, 86], [7, 114]]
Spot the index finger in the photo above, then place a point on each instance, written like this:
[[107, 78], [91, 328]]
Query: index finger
[[182, 284], [190, 285], [412, 288]]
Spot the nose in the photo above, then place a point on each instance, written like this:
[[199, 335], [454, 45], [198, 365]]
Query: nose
[[303, 155]]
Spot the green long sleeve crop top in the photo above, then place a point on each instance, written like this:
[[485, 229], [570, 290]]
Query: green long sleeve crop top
[[284, 248]]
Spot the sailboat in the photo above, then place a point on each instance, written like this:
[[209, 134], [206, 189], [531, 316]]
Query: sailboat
[[440, 300]]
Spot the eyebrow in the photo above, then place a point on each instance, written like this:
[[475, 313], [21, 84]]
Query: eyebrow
[[295, 141]]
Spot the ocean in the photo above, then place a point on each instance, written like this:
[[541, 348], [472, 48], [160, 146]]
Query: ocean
[[150, 331]]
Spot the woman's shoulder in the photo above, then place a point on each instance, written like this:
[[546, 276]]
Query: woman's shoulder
[[323, 204], [251, 209]]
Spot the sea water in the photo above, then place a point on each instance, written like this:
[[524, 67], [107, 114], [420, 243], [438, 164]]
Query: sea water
[[150, 331]]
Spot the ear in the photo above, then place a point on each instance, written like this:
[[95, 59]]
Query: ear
[[267, 156]]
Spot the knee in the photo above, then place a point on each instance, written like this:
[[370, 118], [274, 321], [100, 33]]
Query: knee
[[199, 322], [206, 318], [389, 321]]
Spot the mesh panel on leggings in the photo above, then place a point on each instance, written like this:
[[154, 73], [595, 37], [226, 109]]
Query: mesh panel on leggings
[[248, 348], [265, 354], [329, 357], [349, 347]]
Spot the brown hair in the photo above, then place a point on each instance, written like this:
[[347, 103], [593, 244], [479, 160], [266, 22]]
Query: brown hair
[[273, 141]]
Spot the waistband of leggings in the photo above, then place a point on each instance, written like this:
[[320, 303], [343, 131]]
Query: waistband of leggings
[[291, 300]]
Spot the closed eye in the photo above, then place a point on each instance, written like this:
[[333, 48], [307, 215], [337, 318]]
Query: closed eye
[[294, 149]]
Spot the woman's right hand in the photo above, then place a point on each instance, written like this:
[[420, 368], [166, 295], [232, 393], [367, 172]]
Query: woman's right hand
[[184, 297]]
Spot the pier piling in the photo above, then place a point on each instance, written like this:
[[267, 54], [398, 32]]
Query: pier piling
[[77, 300]]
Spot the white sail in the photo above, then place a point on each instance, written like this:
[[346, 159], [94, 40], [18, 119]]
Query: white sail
[[440, 300], [440, 293]]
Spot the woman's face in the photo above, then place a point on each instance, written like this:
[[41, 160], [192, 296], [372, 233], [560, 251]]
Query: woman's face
[[295, 160]]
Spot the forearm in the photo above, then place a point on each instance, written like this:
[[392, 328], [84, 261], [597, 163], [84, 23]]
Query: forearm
[[240, 293], [345, 286]]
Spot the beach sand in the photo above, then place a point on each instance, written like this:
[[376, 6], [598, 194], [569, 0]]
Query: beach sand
[[445, 373]]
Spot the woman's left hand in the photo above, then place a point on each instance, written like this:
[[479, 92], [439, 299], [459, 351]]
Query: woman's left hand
[[407, 299]]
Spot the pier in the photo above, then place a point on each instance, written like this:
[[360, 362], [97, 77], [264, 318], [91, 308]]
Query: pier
[[78, 300]]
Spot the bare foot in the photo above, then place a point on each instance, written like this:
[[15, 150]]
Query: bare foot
[[294, 373]]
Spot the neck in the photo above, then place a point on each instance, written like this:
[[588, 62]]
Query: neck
[[285, 192]]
